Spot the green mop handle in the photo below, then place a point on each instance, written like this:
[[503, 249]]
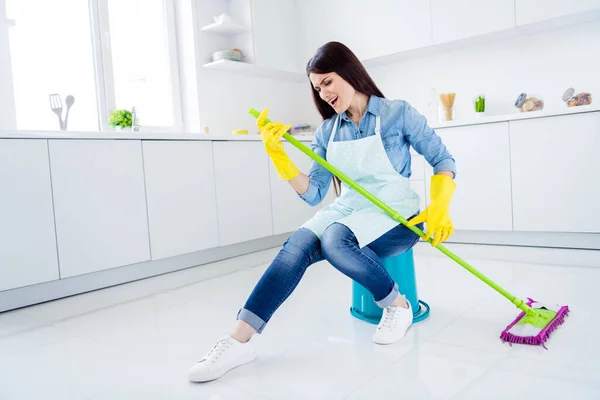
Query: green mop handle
[[396, 216]]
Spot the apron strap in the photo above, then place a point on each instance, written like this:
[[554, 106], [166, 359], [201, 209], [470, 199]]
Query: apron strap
[[377, 125]]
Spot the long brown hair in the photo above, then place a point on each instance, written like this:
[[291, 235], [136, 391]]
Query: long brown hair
[[336, 57]]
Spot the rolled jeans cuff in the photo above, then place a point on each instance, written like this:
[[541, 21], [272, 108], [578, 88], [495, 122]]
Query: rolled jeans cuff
[[389, 299], [252, 319]]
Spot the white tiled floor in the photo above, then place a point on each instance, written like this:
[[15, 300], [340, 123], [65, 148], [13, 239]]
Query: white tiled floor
[[137, 341]]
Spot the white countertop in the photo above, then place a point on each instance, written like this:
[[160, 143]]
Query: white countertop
[[110, 135], [489, 119]]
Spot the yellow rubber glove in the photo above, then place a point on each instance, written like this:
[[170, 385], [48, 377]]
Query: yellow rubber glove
[[437, 214], [271, 134]]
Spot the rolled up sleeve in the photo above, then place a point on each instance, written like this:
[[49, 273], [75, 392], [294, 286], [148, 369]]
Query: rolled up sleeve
[[319, 177], [425, 141]]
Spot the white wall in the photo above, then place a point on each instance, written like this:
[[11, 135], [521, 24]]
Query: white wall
[[225, 99], [544, 64]]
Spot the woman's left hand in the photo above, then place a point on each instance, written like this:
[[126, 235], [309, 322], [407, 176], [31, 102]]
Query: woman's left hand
[[437, 214]]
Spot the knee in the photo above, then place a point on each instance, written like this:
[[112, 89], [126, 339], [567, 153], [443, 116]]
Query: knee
[[336, 237], [303, 243]]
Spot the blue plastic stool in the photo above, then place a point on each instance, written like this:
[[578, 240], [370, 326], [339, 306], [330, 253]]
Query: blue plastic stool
[[402, 270]]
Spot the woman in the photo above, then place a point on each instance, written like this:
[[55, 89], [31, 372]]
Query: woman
[[368, 138]]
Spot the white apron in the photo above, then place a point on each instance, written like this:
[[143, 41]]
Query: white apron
[[366, 162]]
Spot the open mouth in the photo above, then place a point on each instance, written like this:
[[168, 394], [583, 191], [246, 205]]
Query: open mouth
[[333, 101]]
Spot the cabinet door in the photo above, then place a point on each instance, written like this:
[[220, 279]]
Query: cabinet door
[[27, 239], [482, 200], [180, 190], [530, 11], [275, 29], [461, 19], [417, 167], [243, 191], [100, 204], [555, 173], [420, 188], [384, 27], [380, 28], [289, 210]]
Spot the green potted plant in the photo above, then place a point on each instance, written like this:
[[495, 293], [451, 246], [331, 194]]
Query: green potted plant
[[479, 103], [122, 119]]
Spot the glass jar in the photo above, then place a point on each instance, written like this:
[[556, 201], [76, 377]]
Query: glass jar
[[446, 113], [446, 109], [575, 100], [529, 103]]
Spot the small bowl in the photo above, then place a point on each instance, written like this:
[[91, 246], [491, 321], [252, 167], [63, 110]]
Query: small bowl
[[232, 55]]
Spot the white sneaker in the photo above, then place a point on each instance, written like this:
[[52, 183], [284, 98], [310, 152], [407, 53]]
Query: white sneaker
[[226, 355], [393, 325]]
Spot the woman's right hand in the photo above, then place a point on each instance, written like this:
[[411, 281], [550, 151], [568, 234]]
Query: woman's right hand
[[271, 134]]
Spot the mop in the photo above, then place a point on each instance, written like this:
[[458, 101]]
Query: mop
[[533, 325]]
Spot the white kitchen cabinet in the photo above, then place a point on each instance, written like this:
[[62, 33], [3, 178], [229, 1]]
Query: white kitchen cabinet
[[275, 29], [482, 199], [420, 187], [27, 236], [181, 197], [554, 173], [461, 19], [243, 191], [100, 204], [370, 30], [289, 210], [417, 167], [530, 11]]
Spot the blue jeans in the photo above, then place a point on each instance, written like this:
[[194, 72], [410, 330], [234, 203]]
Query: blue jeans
[[339, 247]]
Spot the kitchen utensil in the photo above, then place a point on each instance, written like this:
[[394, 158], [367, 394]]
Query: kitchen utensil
[[69, 100], [57, 107]]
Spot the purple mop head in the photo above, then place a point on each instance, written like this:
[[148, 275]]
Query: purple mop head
[[535, 330]]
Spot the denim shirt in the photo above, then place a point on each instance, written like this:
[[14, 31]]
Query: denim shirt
[[401, 127]]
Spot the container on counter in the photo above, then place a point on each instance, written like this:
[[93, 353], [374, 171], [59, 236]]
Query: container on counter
[[479, 104], [302, 129], [529, 103], [575, 100], [446, 110]]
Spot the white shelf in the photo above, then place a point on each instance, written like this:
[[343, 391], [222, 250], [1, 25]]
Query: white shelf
[[251, 69], [516, 116], [227, 29]]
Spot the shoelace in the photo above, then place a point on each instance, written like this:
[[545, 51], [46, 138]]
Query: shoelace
[[391, 313], [218, 349]]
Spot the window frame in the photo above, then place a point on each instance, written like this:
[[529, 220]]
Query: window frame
[[105, 84], [103, 69]]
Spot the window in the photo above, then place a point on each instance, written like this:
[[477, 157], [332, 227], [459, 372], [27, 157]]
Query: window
[[51, 52], [140, 59], [108, 54]]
